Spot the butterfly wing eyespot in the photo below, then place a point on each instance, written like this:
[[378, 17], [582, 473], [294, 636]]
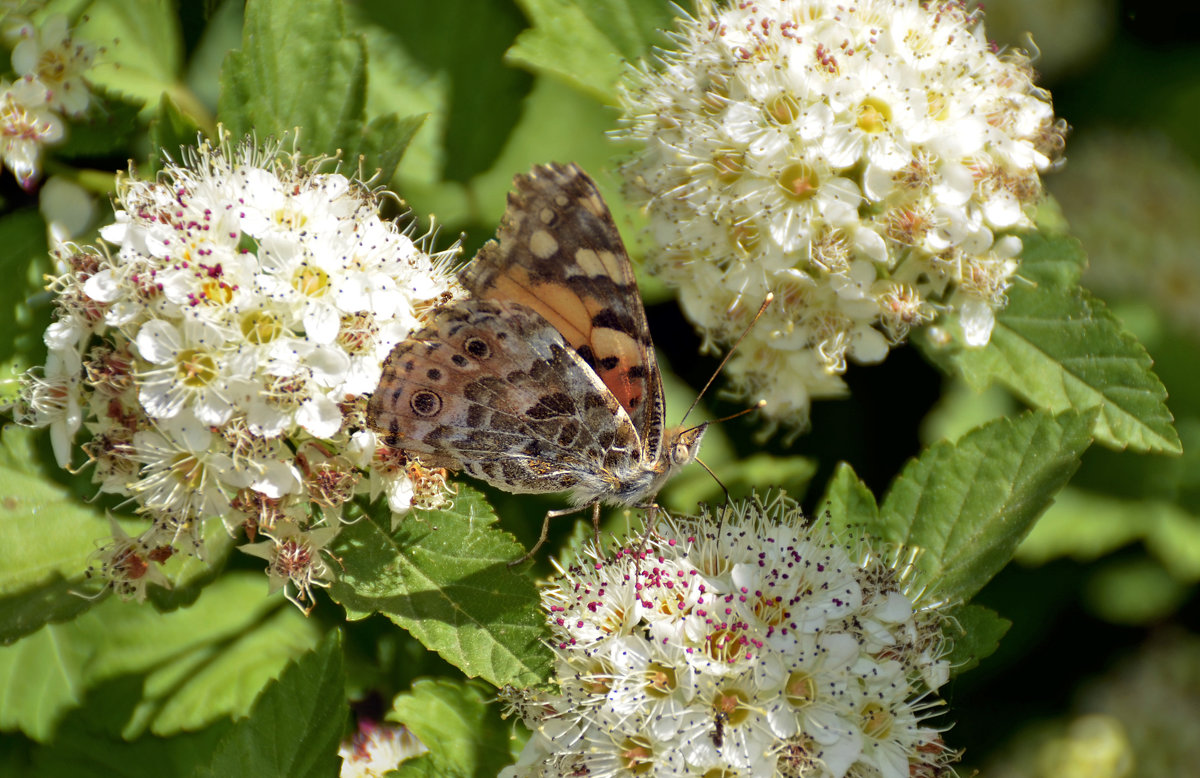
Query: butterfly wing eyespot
[[425, 403], [478, 348], [495, 390]]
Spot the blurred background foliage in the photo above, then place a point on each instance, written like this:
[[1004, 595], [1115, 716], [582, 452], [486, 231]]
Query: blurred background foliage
[[1100, 673]]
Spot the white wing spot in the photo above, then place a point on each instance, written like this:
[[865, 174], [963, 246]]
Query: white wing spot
[[546, 215], [590, 263], [542, 244]]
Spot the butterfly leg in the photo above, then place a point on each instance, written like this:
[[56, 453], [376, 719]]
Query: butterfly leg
[[546, 529], [651, 511]]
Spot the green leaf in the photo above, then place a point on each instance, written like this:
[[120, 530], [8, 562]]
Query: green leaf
[[385, 140], [444, 576], [968, 504], [170, 132], [87, 746], [52, 601], [465, 735], [295, 725], [463, 41], [586, 43], [23, 261], [143, 48], [976, 638], [848, 502], [200, 663], [297, 68], [46, 538], [1135, 591], [1084, 526], [1061, 349]]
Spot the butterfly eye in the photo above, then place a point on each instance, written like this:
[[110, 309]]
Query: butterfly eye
[[478, 348], [425, 403]]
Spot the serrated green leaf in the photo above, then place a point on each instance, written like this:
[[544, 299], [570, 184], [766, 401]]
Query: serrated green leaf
[[385, 140], [1061, 349], [200, 663], [968, 504], [465, 735], [170, 132], [586, 43], [295, 725], [143, 48], [848, 502], [975, 635], [297, 68], [444, 576]]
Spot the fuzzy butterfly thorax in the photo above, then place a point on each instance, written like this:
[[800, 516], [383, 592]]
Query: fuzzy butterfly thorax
[[544, 379]]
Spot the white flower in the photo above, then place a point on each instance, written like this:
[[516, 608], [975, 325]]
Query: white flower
[[295, 561], [27, 125], [858, 161], [58, 63], [376, 749], [733, 646], [219, 347]]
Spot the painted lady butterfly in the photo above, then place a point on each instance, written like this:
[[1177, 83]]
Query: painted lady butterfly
[[544, 380]]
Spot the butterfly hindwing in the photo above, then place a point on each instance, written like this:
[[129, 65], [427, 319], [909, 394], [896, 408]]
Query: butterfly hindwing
[[491, 388], [559, 253]]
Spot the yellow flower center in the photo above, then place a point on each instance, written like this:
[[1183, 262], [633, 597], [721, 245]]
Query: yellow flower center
[[799, 181], [873, 115]]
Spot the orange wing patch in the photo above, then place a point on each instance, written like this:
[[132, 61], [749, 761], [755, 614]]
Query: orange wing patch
[[558, 251]]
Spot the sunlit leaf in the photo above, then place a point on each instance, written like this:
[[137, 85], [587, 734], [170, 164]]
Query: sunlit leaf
[[1061, 349], [463, 731], [974, 635], [968, 504], [295, 725], [200, 663], [588, 42], [443, 575]]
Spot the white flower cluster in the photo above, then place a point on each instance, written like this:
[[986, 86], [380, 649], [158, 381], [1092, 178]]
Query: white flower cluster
[[752, 646], [220, 357], [862, 161], [49, 67]]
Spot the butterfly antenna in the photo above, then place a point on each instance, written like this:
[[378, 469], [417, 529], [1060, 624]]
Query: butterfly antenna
[[742, 412], [761, 309], [728, 504], [724, 488]]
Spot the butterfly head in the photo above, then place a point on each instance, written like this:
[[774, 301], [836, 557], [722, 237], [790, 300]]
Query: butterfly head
[[684, 443]]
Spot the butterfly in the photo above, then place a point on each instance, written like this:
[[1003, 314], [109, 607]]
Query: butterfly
[[544, 379]]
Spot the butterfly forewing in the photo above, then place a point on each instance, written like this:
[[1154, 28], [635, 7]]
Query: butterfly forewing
[[559, 253]]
